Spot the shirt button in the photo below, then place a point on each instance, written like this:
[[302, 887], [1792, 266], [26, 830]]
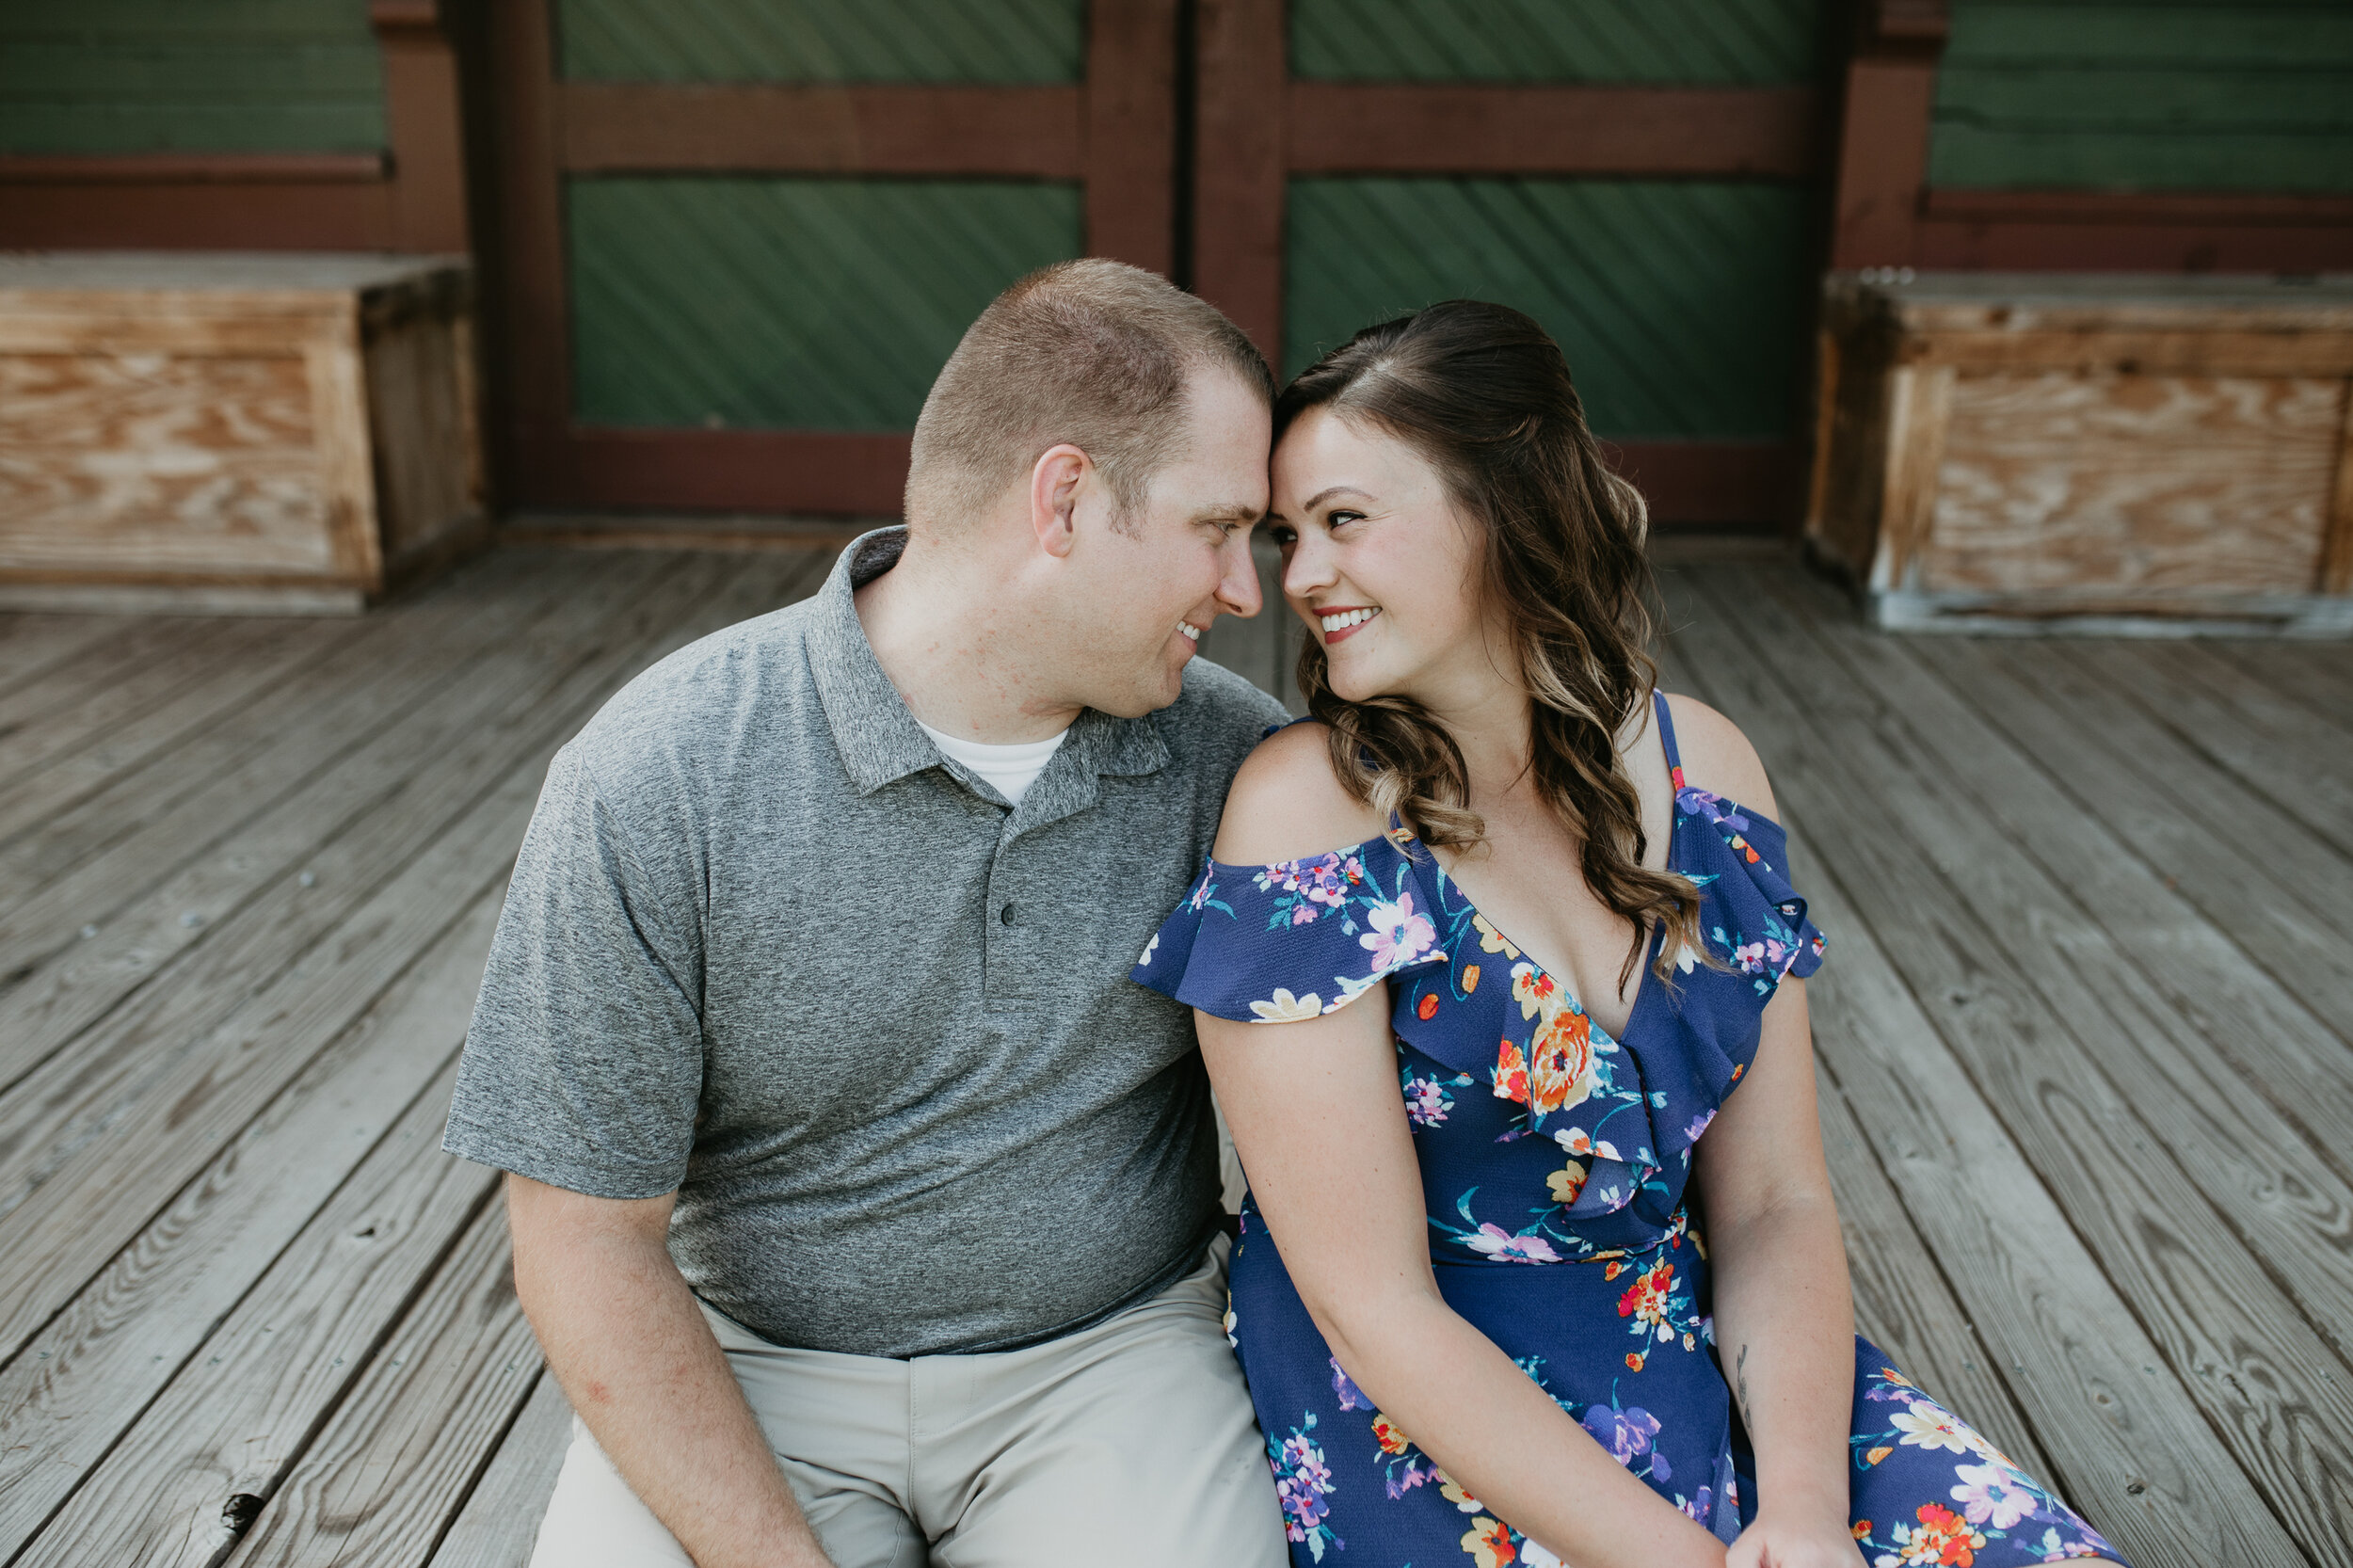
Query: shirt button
[[1005, 915]]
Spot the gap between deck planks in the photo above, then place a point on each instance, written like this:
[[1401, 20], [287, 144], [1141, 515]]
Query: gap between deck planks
[[1986, 946]]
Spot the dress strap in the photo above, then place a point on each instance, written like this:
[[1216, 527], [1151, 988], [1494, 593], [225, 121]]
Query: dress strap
[[1667, 738]]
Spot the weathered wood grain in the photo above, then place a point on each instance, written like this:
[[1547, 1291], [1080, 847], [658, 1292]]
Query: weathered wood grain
[[2135, 484], [401, 1452], [2274, 746], [2282, 900], [136, 1106], [65, 688], [499, 1522], [215, 777], [63, 755], [1997, 956], [32, 645], [2319, 675], [363, 819], [195, 1367]]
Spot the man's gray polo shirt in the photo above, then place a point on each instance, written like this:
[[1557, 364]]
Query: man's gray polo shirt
[[766, 946]]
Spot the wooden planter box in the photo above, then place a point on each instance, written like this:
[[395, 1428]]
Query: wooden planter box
[[2031, 452], [209, 431]]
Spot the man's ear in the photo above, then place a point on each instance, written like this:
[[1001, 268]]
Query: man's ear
[[1056, 480]]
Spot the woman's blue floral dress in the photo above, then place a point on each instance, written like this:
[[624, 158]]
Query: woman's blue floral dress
[[1554, 1161]]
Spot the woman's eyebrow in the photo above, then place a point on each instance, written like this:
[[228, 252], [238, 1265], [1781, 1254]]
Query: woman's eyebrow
[[1329, 492]]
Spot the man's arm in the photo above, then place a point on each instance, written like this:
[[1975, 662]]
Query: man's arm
[[627, 1342]]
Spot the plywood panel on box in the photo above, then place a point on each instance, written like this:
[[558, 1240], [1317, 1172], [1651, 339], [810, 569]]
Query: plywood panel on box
[[2178, 486], [421, 405], [157, 462]]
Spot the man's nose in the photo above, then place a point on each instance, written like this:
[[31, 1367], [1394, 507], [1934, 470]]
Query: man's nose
[[1238, 589]]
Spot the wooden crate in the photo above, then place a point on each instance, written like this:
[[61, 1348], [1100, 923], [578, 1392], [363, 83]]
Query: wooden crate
[[212, 431], [2032, 451]]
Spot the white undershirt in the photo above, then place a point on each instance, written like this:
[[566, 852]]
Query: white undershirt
[[1009, 769]]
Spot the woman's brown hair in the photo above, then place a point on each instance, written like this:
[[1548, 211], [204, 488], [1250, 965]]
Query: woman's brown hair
[[1483, 395]]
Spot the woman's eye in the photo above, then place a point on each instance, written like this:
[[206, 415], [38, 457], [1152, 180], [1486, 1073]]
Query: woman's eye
[[1336, 519]]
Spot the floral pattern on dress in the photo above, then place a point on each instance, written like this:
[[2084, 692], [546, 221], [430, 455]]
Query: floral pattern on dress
[[1554, 1161]]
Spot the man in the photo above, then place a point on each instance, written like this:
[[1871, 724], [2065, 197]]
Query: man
[[865, 1211]]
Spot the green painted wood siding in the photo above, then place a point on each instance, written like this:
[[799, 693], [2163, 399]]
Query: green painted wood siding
[[1681, 304], [190, 76], [789, 303], [822, 40], [2101, 94], [1722, 43]]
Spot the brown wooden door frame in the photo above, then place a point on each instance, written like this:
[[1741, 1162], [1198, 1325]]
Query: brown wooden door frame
[[1257, 127], [1115, 134]]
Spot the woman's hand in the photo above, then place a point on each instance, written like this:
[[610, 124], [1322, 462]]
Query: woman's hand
[[1818, 1539]]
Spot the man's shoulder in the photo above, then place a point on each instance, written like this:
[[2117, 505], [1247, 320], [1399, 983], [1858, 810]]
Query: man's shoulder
[[1219, 711], [702, 705]]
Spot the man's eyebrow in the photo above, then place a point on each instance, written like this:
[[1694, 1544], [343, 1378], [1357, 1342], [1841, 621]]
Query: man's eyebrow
[[1234, 509]]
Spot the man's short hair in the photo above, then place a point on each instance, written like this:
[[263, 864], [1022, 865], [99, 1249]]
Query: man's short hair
[[1090, 352]]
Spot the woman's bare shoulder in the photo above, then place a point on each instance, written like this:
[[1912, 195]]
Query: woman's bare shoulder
[[1717, 757], [1286, 802]]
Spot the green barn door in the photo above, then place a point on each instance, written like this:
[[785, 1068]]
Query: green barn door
[[744, 234], [1641, 176]]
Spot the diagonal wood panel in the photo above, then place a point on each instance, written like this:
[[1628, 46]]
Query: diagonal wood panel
[[1679, 304], [815, 304], [1683, 42]]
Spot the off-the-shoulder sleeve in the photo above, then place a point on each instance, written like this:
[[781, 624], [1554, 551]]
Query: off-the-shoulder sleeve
[[1755, 919], [1275, 944]]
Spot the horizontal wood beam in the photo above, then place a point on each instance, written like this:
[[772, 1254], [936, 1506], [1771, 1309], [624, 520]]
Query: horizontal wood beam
[[767, 128], [828, 473], [2203, 208], [1392, 128], [188, 169]]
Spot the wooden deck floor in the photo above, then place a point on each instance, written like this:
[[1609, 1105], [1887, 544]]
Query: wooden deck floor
[[2084, 1042]]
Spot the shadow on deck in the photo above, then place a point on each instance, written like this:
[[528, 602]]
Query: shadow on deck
[[2082, 1036]]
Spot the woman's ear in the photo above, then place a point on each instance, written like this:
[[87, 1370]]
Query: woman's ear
[[1055, 480]]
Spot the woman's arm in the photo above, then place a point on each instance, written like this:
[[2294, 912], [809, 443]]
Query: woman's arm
[[1784, 1321], [1318, 1123]]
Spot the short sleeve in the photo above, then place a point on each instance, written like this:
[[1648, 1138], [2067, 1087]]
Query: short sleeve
[[1755, 917], [582, 1065], [1296, 939]]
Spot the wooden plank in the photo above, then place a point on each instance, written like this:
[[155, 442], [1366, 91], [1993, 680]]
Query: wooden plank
[[2319, 675], [144, 1101], [778, 128], [52, 762], [355, 824], [192, 1370], [1465, 128], [2285, 902], [1241, 71], [233, 768], [1904, 1303], [2272, 745], [67, 686], [242, 678], [33, 645], [500, 1522], [2023, 990], [1129, 146], [398, 1457]]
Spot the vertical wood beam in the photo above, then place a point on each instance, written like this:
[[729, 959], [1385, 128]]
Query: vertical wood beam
[[1242, 73], [1883, 133], [420, 104], [2336, 546], [536, 345], [1130, 131]]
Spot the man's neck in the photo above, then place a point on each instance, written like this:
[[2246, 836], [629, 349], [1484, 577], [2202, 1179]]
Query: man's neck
[[950, 628]]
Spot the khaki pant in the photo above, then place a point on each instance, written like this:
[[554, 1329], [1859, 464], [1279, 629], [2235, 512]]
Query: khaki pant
[[1131, 1442]]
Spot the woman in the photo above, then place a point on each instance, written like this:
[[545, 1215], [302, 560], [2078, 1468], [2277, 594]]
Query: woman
[[1482, 952]]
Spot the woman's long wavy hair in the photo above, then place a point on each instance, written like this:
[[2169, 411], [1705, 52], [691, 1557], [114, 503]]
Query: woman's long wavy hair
[[1483, 395]]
